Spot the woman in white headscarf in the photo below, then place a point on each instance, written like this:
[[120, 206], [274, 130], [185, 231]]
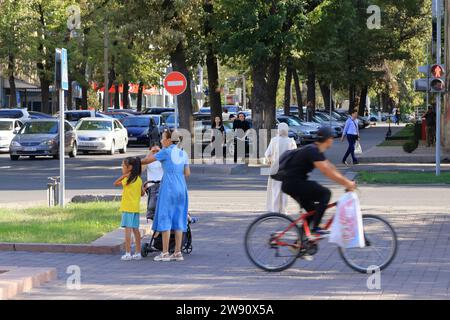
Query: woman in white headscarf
[[276, 199]]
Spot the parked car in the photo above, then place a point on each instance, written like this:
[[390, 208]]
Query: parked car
[[19, 114], [205, 110], [39, 137], [73, 116], [101, 135], [118, 115], [305, 134], [231, 108], [8, 130], [168, 120], [374, 117], [142, 129], [335, 126], [39, 115], [132, 112], [158, 110]]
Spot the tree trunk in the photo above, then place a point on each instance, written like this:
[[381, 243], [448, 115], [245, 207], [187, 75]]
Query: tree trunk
[[116, 96], [126, 101], [287, 91], [351, 97], [178, 60], [139, 97], [45, 95], [84, 97], [311, 83], [273, 77], [42, 64], [298, 93], [12, 82], [69, 96], [363, 100], [326, 94], [213, 86], [212, 65], [259, 95]]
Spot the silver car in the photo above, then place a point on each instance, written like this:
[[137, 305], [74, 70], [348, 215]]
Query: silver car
[[39, 137], [306, 133]]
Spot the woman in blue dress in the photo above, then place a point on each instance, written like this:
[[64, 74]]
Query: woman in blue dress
[[172, 206]]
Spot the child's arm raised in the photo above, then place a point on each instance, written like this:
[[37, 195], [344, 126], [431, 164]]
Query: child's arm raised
[[118, 182]]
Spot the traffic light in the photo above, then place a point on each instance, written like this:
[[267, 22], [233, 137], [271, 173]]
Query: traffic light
[[437, 78]]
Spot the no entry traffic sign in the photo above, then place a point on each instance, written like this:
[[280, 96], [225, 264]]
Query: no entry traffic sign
[[175, 83]]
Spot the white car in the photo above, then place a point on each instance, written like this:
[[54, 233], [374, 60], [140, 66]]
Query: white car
[[8, 130], [73, 116], [18, 114], [101, 135]]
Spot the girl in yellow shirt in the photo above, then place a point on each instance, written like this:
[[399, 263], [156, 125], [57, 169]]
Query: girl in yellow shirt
[[130, 204]]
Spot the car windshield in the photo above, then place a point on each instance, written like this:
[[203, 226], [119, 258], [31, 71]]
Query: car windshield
[[6, 125], [323, 116], [47, 127], [156, 119], [171, 119], [233, 109], [136, 122], [95, 125], [13, 114]]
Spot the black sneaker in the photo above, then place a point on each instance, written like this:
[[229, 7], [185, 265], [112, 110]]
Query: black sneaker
[[345, 163]]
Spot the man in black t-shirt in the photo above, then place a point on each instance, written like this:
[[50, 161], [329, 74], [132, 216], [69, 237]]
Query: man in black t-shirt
[[243, 125], [309, 194], [430, 118]]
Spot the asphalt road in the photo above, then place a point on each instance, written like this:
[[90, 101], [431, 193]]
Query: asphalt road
[[25, 181]]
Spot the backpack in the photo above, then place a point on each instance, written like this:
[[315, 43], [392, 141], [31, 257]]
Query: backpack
[[282, 164]]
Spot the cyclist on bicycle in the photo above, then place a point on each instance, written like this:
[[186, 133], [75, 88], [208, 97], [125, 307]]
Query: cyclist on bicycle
[[309, 194]]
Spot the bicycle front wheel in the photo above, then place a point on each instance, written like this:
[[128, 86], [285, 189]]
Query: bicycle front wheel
[[380, 248], [266, 245]]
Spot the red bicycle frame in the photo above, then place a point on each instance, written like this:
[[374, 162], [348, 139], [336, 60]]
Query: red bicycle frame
[[305, 226]]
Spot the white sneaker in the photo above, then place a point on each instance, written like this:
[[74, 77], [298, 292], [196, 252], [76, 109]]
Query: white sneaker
[[162, 257], [177, 257], [126, 257], [136, 256]]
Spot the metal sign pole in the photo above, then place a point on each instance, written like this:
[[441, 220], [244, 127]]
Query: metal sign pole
[[176, 111], [62, 164], [438, 96]]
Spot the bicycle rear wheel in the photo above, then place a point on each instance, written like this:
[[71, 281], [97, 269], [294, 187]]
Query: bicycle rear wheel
[[266, 253], [380, 249]]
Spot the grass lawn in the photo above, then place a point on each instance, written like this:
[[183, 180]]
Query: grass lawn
[[396, 177], [77, 223], [405, 134]]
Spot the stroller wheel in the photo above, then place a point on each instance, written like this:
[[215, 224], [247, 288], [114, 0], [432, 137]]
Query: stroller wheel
[[144, 250], [187, 249]]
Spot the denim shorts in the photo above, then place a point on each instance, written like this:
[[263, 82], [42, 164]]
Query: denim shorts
[[130, 220]]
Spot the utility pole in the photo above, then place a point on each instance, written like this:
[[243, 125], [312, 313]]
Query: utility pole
[[438, 95], [105, 52]]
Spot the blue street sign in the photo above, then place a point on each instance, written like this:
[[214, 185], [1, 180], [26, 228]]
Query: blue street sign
[[64, 70]]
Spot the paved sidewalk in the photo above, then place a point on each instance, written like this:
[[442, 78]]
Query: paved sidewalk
[[219, 269]]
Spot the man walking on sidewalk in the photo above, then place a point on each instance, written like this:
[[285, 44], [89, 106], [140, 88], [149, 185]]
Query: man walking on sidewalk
[[430, 118], [351, 131]]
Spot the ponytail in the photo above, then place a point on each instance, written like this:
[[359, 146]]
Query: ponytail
[[136, 170]]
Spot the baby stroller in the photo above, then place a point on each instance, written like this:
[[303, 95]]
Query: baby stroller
[[154, 243]]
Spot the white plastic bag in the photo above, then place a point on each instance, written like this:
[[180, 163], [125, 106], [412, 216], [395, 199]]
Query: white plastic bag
[[358, 148], [347, 227]]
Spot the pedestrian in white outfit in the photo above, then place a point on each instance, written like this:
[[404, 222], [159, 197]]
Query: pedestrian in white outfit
[[277, 200]]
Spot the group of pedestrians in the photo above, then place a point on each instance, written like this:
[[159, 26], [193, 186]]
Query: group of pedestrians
[[167, 169]]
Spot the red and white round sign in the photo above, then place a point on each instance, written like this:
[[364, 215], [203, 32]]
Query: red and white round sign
[[175, 83]]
